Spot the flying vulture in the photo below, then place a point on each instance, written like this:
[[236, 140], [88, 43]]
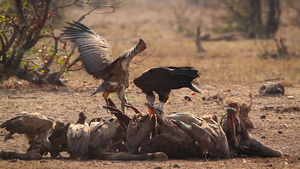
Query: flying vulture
[[35, 126], [163, 79], [96, 55]]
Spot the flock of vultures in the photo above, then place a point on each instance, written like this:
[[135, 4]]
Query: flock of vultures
[[151, 136]]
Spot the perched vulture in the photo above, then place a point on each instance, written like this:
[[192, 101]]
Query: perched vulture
[[240, 141], [78, 137], [138, 130], [209, 135], [35, 126], [101, 135], [95, 53], [163, 79]]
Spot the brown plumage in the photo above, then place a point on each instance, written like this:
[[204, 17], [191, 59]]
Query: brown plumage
[[209, 135], [241, 142], [33, 125], [101, 135], [95, 53], [163, 79], [78, 138], [138, 130]]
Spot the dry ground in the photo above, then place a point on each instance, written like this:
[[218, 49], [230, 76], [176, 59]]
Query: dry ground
[[229, 67]]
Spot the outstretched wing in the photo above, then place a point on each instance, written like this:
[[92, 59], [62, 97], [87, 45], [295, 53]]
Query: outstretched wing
[[94, 50]]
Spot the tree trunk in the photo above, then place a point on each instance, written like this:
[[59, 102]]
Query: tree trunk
[[273, 18], [198, 41], [255, 18]]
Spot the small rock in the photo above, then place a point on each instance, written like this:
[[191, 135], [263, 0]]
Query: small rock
[[269, 165], [290, 97], [65, 80], [284, 126], [176, 166], [187, 98], [263, 116], [279, 132], [208, 87], [269, 108], [279, 117], [234, 94], [263, 137]]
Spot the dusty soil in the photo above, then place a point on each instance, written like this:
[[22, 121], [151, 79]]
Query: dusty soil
[[280, 129]]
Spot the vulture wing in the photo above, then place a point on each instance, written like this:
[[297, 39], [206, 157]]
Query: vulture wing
[[27, 123], [78, 137], [166, 78], [184, 117], [94, 50], [138, 130], [101, 132], [211, 137]]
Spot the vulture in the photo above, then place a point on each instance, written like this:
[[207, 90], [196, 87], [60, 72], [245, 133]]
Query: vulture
[[139, 129], [209, 135], [101, 135], [96, 56], [35, 126], [163, 79], [78, 137]]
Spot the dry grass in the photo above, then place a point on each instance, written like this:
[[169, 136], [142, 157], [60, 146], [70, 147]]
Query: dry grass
[[224, 62]]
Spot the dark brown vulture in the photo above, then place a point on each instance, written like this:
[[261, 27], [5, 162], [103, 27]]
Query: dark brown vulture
[[35, 126], [163, 79], [95, 53]]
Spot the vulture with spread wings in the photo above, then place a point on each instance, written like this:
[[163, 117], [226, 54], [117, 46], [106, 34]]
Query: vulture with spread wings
[[95, 53], [163, 79]]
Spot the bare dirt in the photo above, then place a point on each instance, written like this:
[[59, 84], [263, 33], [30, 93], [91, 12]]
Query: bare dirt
[[279, 129]]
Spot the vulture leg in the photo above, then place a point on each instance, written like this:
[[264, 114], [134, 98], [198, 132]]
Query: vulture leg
[[151, 99], [122, 97], [105, 96], [160, 106], [163, 98]]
